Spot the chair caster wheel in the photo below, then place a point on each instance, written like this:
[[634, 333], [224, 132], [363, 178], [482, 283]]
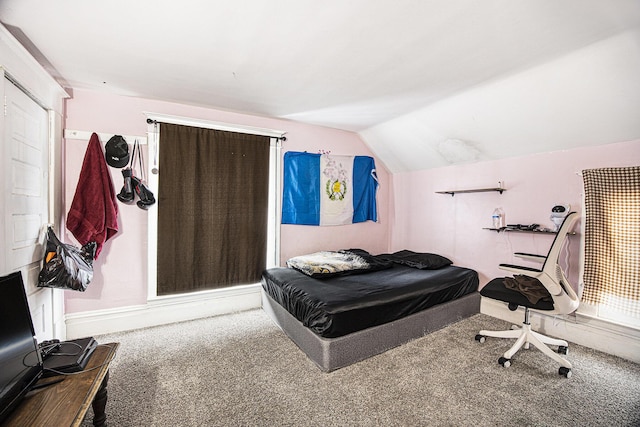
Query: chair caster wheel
[[566, 372], [563, 349], [504, 362], [481, 338]]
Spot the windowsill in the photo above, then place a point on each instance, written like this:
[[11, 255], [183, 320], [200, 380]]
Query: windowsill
[[202, 295], [607, 324]]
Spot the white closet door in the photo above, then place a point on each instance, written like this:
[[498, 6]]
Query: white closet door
[[25, 162]]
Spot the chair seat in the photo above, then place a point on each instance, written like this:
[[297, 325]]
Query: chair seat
[[497, 290]]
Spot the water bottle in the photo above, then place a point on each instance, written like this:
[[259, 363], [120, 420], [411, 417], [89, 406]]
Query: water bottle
[[496, 218]]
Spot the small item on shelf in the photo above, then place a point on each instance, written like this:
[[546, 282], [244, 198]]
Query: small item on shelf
[[497, 218], [529, 227], [558, 213]]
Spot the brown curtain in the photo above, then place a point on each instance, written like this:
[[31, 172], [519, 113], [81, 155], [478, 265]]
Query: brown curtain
[[212, 208], [612, 238]]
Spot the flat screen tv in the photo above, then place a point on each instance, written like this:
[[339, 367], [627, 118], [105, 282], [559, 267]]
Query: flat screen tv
[[20, 363]]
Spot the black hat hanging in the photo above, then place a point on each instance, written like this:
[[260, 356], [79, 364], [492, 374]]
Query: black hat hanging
[[117, 151]]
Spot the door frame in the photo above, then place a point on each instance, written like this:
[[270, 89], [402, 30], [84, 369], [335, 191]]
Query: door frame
[[20, 67]]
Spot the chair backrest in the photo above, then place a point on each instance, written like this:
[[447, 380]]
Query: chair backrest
[[553, 278]]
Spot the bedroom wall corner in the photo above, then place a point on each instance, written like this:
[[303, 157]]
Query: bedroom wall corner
[[453, 225]]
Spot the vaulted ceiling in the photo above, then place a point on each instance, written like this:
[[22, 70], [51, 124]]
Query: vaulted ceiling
[[425, 83]]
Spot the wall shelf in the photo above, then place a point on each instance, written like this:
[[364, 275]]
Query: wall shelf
[[477, 190], [516, 230], [83, 135], [499, 189]]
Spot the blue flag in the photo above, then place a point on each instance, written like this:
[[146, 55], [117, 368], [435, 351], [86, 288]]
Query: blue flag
[[322, 189]]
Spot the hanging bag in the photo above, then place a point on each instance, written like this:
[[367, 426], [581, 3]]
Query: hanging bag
[[66, 266]]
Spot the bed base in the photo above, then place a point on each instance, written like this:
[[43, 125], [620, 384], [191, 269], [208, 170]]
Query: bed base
[[334, 353]]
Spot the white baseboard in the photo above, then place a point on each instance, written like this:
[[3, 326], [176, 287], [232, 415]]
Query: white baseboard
[[610, 338], [163, 311]]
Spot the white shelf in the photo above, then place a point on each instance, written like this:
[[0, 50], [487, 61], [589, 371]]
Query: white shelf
[[82, 135]]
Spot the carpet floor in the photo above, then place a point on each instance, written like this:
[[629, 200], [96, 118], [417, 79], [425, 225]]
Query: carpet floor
[[242, 370]]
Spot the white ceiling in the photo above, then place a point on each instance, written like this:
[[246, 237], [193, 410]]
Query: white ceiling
[[426, 83]]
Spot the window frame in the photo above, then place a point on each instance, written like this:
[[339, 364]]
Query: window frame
[[154, 125]]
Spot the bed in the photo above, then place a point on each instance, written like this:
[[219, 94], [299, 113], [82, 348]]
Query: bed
[[341, 317]]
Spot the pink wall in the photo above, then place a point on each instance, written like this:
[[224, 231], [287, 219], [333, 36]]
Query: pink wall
[[452, 226], [411, 214], [120, 273]]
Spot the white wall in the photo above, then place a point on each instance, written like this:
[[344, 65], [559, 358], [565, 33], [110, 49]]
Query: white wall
[[589, 97]]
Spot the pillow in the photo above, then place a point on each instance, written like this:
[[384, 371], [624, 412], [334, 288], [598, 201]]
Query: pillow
[[420, 260], [324, 264]]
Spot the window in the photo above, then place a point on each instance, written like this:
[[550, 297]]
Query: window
[[612, 244], [171, 214]]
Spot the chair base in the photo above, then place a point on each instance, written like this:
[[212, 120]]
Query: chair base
[[524, 337]]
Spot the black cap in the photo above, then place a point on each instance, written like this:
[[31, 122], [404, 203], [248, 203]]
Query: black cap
[[117, 152]]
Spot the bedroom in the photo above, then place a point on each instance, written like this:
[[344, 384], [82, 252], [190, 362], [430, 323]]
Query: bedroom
[[552, 116]]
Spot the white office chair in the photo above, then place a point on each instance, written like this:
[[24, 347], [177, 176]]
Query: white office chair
[[563, 301]]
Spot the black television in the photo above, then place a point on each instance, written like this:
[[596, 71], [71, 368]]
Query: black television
[[20, 362]]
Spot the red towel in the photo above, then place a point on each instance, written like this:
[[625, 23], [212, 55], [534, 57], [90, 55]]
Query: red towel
[[93, 216]]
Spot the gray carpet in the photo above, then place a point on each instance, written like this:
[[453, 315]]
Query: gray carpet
[[241, 370]]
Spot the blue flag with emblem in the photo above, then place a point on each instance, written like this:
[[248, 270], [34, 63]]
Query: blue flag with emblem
[[323, 189]]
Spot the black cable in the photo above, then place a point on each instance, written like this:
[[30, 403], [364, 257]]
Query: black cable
[[67, 354]]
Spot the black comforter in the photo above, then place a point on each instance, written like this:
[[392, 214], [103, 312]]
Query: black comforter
[[342, 305]]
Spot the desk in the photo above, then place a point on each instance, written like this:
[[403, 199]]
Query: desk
[[67, 402]]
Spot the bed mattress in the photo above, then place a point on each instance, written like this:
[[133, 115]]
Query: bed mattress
[[341, 305]]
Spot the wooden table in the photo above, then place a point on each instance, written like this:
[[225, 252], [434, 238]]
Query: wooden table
[[67, 402]]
